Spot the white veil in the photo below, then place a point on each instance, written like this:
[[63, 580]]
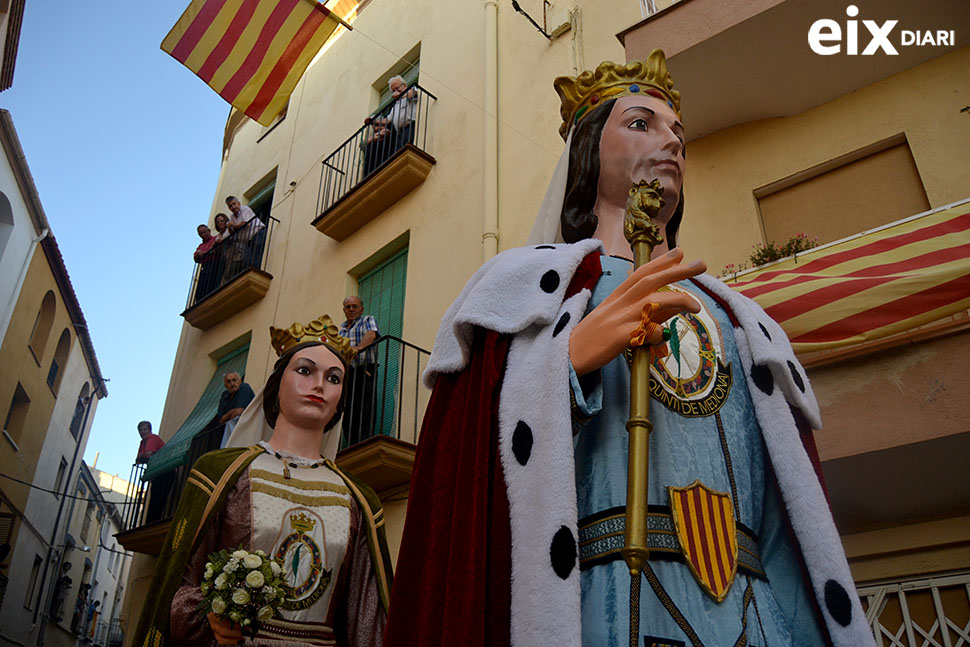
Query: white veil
[[547, 228]]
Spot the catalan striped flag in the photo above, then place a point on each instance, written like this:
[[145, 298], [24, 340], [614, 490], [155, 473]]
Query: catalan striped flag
[[878, 284], [252, 52]]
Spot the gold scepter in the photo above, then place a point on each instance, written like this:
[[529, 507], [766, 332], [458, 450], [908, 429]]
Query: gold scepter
[[643, 234]]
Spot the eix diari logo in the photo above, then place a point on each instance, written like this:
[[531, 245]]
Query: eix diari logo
[[827, 30]]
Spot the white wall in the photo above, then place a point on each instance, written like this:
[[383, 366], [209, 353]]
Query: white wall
[[15, 254]]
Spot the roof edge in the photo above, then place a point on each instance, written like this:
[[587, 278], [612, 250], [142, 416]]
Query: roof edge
[[25, 180]]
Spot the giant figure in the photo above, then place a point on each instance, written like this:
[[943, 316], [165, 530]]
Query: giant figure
[[517, 510], [276, 488]]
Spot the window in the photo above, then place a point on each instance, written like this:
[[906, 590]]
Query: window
[[32, 583], [865, 189], [56, 371], [79, 408], [42, 326], [407, 69], [13, 424], [6, 221], [59, 479], [261, 197], [86, 524]]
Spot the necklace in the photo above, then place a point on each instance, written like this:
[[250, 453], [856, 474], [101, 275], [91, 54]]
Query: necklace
[[287, 465]]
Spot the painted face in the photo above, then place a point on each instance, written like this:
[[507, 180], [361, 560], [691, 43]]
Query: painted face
[[221, 222], [311, 387], [353, 308], [232, 382], [642, 139], [233, 205]]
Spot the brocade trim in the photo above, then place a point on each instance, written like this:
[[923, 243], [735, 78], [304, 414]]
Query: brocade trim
[[601, 540]]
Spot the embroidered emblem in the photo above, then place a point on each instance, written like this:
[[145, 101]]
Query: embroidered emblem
[[708, 536], [179, 533], [692, 379], [303, 562]]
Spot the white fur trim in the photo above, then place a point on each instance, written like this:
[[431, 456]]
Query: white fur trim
[[504, 296], [540, 482]]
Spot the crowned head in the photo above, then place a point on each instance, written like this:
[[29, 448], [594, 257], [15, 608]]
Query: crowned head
[[623, 125]]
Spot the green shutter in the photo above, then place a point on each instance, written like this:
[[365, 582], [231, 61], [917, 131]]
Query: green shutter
[[176, 450], [382, 291]]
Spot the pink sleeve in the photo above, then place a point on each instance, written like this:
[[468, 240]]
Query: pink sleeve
[[365, 613]]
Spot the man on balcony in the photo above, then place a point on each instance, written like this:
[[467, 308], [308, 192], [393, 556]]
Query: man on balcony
[[232, 403], [248, 230], [362, 331], [403, 111], [150, 443]]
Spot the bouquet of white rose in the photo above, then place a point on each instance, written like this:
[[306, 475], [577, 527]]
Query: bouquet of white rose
[[243, 587]]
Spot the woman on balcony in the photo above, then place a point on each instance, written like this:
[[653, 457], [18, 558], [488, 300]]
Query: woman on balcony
[[276, 488]]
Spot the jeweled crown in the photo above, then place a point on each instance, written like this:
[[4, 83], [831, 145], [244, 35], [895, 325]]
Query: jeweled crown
[[581, 94], [302, 523], [322, 329]]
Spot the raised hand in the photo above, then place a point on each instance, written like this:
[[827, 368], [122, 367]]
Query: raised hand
[[605, 332], [226, 632]]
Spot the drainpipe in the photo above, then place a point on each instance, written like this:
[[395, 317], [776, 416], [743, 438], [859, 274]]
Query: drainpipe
[[490, 224]]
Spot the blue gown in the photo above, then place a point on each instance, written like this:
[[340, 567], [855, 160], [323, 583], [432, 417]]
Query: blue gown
[[705, 429]]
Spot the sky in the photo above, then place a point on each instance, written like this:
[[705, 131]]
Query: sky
[[124, 144]]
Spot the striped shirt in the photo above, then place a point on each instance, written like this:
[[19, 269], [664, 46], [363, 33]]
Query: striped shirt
[[355, 331]]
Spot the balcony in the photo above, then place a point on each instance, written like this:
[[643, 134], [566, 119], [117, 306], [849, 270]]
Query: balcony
[[376, 166], [383, 416], [231, 276], [736, 61]]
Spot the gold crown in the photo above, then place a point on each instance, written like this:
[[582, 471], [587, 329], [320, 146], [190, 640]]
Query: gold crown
[[581, 94], [302, 523], [322, 329]]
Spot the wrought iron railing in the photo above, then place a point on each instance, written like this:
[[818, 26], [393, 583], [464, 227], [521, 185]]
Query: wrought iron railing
[[243, 249], [383, 393], [156, 500], [109, 634], [384, 135]]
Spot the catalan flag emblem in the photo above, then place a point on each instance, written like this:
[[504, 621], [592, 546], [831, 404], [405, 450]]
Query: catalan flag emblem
[[708, 536], [251, 52], [887, 281]]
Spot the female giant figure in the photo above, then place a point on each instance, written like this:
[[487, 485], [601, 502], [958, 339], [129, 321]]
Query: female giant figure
[[519, 496], [276, 488]]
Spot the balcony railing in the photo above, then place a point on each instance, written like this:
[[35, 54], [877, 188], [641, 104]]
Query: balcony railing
[[242, 250], [382, 138], [386, 406], [383, 392], [156, 500]]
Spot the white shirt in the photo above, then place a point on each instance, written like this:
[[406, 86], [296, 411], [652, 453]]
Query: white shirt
[[241, 217]]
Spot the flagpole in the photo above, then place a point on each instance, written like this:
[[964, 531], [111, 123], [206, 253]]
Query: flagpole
[[321, 6]]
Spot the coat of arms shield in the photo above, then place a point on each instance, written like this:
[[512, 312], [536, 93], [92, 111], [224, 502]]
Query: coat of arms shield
[[708, 536]]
